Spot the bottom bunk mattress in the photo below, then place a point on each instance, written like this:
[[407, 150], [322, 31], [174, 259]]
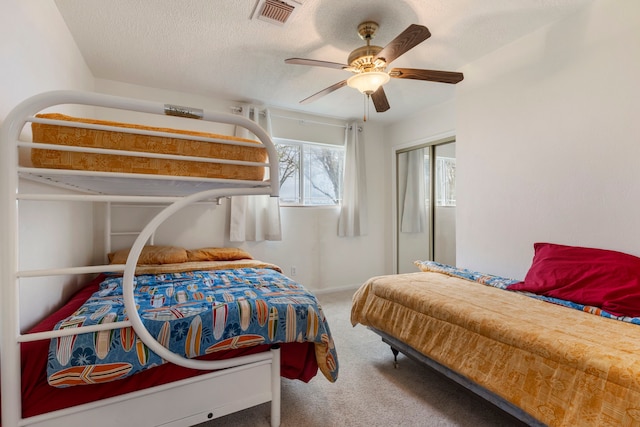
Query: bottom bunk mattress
[[259, 307], [562, 366]]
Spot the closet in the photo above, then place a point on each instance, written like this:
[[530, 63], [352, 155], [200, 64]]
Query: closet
[[425, 204]]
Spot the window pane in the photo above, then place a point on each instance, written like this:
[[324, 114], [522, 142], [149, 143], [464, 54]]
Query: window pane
[[310, 174], [289, 173], [323, 176]]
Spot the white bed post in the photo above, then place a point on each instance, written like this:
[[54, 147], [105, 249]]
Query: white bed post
[[275, 386], [9, 300], [107, 229]]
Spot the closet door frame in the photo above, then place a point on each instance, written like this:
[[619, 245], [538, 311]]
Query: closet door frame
[[440, 139]]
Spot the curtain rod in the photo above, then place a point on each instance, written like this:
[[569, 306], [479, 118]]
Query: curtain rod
[[238, 110], [305, 121]]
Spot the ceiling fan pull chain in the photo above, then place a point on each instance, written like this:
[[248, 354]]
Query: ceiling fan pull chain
[[366, 106]]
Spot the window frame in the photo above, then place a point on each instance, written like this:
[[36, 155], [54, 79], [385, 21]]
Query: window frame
[[304, 147]]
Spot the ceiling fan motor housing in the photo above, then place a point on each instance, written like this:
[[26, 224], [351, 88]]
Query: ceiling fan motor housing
[[362, 59]]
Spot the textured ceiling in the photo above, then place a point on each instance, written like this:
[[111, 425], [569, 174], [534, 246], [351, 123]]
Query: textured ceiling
[[214, 47]]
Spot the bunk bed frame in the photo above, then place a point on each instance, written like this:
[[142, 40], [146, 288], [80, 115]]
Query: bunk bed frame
[[232, 384]]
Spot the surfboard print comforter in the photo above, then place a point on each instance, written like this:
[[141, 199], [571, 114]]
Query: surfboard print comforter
[[192, 313]]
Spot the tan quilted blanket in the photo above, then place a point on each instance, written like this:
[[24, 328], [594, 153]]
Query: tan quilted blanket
[[69, 135], [204, 265], [562, 366]]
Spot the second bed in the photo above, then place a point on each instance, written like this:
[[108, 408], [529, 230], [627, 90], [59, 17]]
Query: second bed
[[544, 362]]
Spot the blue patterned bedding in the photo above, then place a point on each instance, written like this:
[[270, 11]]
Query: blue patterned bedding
[[503, 282], [193, 314]]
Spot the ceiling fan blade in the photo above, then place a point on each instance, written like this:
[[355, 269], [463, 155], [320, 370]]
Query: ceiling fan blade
[[324, 92], [380, 101], [409, 38], [428, 75], [315, 63]]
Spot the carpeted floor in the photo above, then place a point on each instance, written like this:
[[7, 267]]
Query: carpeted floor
[[369, 390]]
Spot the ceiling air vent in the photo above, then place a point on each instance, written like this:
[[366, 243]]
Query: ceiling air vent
[[274, 11]]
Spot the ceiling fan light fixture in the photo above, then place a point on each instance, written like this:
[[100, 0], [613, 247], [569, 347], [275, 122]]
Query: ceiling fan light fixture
[[368, 82]]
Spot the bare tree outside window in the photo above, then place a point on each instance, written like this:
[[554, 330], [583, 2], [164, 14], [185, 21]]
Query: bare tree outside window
[[310, 174], [325, 174], [289, 156], [290, 162]]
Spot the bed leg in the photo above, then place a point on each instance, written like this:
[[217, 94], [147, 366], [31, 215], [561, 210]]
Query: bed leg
[[395, 357], [275, 386]]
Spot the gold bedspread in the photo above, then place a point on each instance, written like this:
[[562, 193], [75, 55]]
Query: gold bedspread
[[562, 366], [69, 135]]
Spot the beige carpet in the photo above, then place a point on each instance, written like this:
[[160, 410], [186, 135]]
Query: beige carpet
[[369, 390]]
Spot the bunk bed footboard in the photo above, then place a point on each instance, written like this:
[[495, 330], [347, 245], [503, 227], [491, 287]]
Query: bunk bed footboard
[[183, 403]]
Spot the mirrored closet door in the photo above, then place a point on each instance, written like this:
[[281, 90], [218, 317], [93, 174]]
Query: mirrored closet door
[[425, 204]]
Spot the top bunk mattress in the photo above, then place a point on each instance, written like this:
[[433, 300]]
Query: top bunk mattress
[[126, 140]]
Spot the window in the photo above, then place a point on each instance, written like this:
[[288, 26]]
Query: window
[[310, 173]]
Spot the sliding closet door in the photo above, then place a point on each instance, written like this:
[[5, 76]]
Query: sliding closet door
[[425, 225], [413, 213], [444, 224]]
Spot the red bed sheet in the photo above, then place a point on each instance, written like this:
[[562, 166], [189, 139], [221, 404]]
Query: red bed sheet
[[297, 362]]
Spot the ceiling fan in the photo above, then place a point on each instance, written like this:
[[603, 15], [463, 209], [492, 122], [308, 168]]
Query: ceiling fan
[[369, 63]]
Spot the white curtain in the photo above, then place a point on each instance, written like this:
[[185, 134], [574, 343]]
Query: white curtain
[[353, 213], [414, 210], [254, 218]]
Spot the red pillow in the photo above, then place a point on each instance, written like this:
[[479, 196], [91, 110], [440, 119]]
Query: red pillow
[[596, 277]]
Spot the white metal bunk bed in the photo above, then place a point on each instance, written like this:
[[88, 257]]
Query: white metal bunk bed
[[213, 394]]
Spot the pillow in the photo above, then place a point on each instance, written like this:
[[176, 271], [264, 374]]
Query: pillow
[[597, 277], [217, 254], [152, 255]]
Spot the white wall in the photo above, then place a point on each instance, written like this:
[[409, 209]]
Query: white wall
[[548, 141], [38, 54], [426, 125]]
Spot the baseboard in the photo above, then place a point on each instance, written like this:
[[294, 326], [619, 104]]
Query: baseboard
[[336, 289]]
